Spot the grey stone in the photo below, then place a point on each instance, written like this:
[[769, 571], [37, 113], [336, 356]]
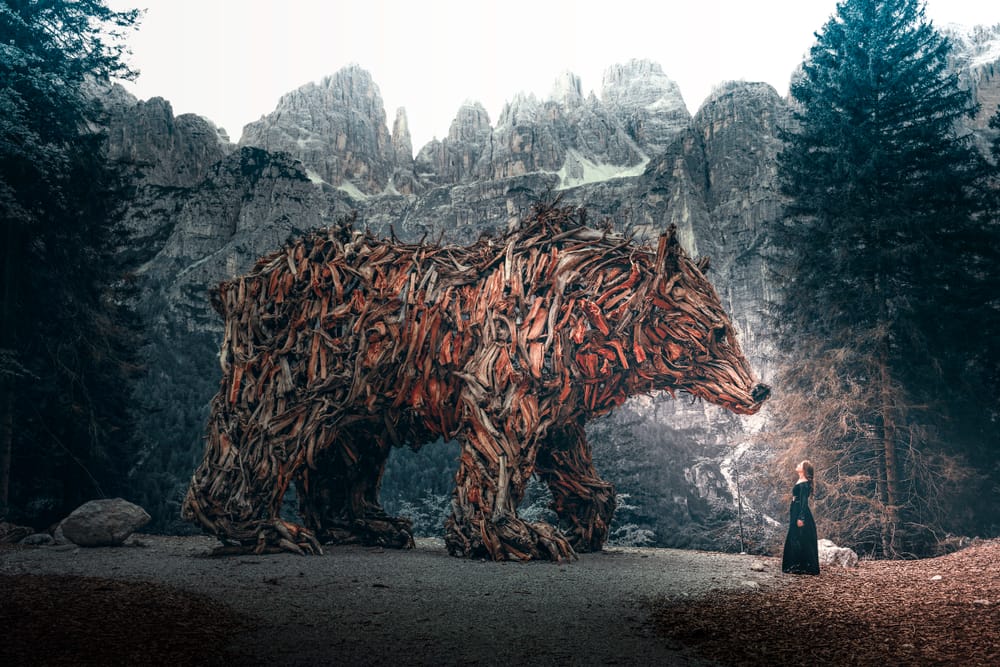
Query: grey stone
[[58, 537], [832, 555], [975, 59], [105, 522], [11, 533]]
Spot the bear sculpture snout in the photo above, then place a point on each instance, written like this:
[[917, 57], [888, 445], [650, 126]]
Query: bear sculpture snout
[[760, 393]]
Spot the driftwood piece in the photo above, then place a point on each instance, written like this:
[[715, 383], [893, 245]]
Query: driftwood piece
[[341, 346]]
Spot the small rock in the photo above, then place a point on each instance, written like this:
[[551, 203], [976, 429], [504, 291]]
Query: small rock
[[11, 533], [757, 566], [981, 603], [752, 585], [38, 540], [936, 577]]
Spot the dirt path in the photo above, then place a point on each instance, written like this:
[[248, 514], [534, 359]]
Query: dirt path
[[363, 606]]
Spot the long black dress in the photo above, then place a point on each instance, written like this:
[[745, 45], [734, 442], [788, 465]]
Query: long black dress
[[801, 554]]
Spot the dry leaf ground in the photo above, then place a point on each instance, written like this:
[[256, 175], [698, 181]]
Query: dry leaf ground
[[936, 611]]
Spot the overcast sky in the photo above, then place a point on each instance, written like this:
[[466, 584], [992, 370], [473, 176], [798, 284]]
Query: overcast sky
[[230, 60]]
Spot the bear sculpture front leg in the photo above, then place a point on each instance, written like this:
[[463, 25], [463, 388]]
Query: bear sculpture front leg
[[584, 502], [484, 521], [234, 501]]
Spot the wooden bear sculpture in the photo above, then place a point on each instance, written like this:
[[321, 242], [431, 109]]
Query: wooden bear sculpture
[[342, 345]]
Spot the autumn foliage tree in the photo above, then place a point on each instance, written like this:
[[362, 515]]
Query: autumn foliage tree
[[881, 260]]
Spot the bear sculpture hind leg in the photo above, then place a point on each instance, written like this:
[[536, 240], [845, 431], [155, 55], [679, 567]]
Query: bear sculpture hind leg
[[339, 498], [484, 522], [583, 501]]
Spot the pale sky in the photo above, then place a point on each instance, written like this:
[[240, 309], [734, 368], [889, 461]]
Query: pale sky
[[230, 60]]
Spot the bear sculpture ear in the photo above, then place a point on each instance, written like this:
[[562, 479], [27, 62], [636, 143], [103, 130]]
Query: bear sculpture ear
[[667, 246], [703, 264]]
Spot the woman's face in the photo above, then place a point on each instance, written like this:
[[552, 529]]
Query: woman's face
[[800, 470]]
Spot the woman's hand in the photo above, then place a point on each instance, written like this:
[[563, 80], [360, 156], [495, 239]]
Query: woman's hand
[[800, 523]]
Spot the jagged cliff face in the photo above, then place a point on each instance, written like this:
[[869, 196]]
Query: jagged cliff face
[[646, 102], [456, 158], [163, 149], [205, 210], [738, 127], [977, 59], [337, 128]]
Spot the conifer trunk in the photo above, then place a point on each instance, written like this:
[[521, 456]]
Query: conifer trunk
[[6, 442], [888, 436], [6, 375]]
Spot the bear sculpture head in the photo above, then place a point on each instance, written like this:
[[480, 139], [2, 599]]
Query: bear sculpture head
[[684, 340]]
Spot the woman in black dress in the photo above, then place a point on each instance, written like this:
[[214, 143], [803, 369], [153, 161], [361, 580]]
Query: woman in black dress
[[801, 554]]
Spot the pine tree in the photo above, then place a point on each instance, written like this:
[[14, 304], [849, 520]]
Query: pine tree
[[66, 343], [882, 230]]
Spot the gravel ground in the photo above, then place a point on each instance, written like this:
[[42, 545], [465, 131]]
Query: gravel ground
[[363, 606]]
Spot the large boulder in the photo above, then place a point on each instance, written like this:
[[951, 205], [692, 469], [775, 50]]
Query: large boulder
[[104, 523], [831, 554]]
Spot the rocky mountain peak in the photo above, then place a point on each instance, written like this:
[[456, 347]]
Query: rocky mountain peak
[[403, 180], [567, 90], [401, 143], [336, 127], [976, 57], [461, 156], [975, 46], [472, 123], [354, 87], [163, 149], [647, 103], [524, 108], [637, 82]]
